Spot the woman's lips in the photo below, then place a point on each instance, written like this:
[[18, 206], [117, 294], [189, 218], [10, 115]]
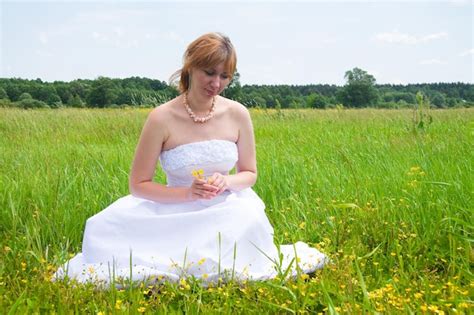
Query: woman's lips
[[211, 93]]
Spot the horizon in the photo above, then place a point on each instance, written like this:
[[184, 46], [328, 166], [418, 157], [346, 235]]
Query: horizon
[[246, 84]]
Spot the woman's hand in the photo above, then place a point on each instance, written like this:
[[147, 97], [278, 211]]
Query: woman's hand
[[218, 181], [201, 189]]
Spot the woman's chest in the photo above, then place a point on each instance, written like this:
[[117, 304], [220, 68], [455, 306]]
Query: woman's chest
[[182, 132]]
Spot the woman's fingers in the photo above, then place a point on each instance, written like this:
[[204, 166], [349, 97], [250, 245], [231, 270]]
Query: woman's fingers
[[208, 189]]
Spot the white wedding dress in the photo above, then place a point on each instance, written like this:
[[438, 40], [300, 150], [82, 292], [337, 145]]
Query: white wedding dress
[[228, 236]]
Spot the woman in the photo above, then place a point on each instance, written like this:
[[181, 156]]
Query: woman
[[205, 222]]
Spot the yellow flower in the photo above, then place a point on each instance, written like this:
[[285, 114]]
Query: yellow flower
[[199, 174], [302, 225], [184, 284], [141, 309], [205, 276], [304, 276], [7, 249], [201, 261]]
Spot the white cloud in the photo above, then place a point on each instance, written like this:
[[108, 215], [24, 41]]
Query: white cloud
[[433, 61], [467, 52], [43, 53], [43, 38], [427, 38], [397, 37]]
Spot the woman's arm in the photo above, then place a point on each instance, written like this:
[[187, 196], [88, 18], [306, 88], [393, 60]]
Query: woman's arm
[[148, 150], [246, 175]]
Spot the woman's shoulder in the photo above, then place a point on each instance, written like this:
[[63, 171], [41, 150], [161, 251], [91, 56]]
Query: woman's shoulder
[[164, 112], [235, 108]]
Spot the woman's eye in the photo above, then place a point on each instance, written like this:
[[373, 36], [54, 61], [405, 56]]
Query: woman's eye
[[224, 77], [209, 72]]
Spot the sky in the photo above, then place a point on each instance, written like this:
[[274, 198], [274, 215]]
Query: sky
[[277, 42]]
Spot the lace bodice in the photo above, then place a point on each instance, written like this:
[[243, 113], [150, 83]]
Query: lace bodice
[[209, 155]]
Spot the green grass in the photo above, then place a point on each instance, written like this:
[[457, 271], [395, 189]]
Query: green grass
[[392, 208]]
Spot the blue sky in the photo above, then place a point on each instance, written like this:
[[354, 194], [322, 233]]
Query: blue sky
[[308, 42]]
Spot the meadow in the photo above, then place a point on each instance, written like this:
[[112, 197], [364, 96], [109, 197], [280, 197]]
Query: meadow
[[391, 203]]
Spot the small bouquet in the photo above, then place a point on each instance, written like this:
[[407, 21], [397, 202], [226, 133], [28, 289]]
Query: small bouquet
[[199, 174]]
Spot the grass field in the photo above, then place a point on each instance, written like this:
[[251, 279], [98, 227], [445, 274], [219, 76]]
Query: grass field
[[391, 205]]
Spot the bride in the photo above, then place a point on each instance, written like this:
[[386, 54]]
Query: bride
[[206, 222]]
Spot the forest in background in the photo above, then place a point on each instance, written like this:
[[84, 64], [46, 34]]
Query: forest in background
[[360, 90]]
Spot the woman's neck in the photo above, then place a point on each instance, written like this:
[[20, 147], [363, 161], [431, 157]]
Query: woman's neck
[[199, 104]]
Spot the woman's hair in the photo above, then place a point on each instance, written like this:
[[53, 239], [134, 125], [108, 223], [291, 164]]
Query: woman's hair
[[207, 51]]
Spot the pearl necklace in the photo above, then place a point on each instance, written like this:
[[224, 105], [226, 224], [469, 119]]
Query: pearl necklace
[[196, 118]]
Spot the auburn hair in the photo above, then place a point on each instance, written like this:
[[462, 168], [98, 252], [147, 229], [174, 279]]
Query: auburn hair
[[207, 51]]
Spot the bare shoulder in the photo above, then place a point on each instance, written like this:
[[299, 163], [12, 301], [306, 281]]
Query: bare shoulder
[[160, 118], [162, 113], [237, 110]]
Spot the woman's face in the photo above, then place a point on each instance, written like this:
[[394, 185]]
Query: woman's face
[[210, 81]]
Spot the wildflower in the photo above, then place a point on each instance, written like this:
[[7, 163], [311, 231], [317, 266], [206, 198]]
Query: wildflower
[[100, 313], [205, 276], [23, 266], [304, 276], [184, 284], [141, 309], [118, 304], [199, 174], [433, 308], [413, 183], [201, 261], [6, 249], [302, 225]]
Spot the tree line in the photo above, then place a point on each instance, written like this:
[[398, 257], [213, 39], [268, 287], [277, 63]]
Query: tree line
[[360, 90]]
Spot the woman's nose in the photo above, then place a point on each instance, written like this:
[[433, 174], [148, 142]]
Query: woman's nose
[[215, 81]]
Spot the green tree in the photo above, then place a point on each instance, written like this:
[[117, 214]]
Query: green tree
[[76, 101], [3, 93], [359, 90], [25, 96], [102, 93], [315, 100], [438, 99], [13, 91], [234, 89]]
